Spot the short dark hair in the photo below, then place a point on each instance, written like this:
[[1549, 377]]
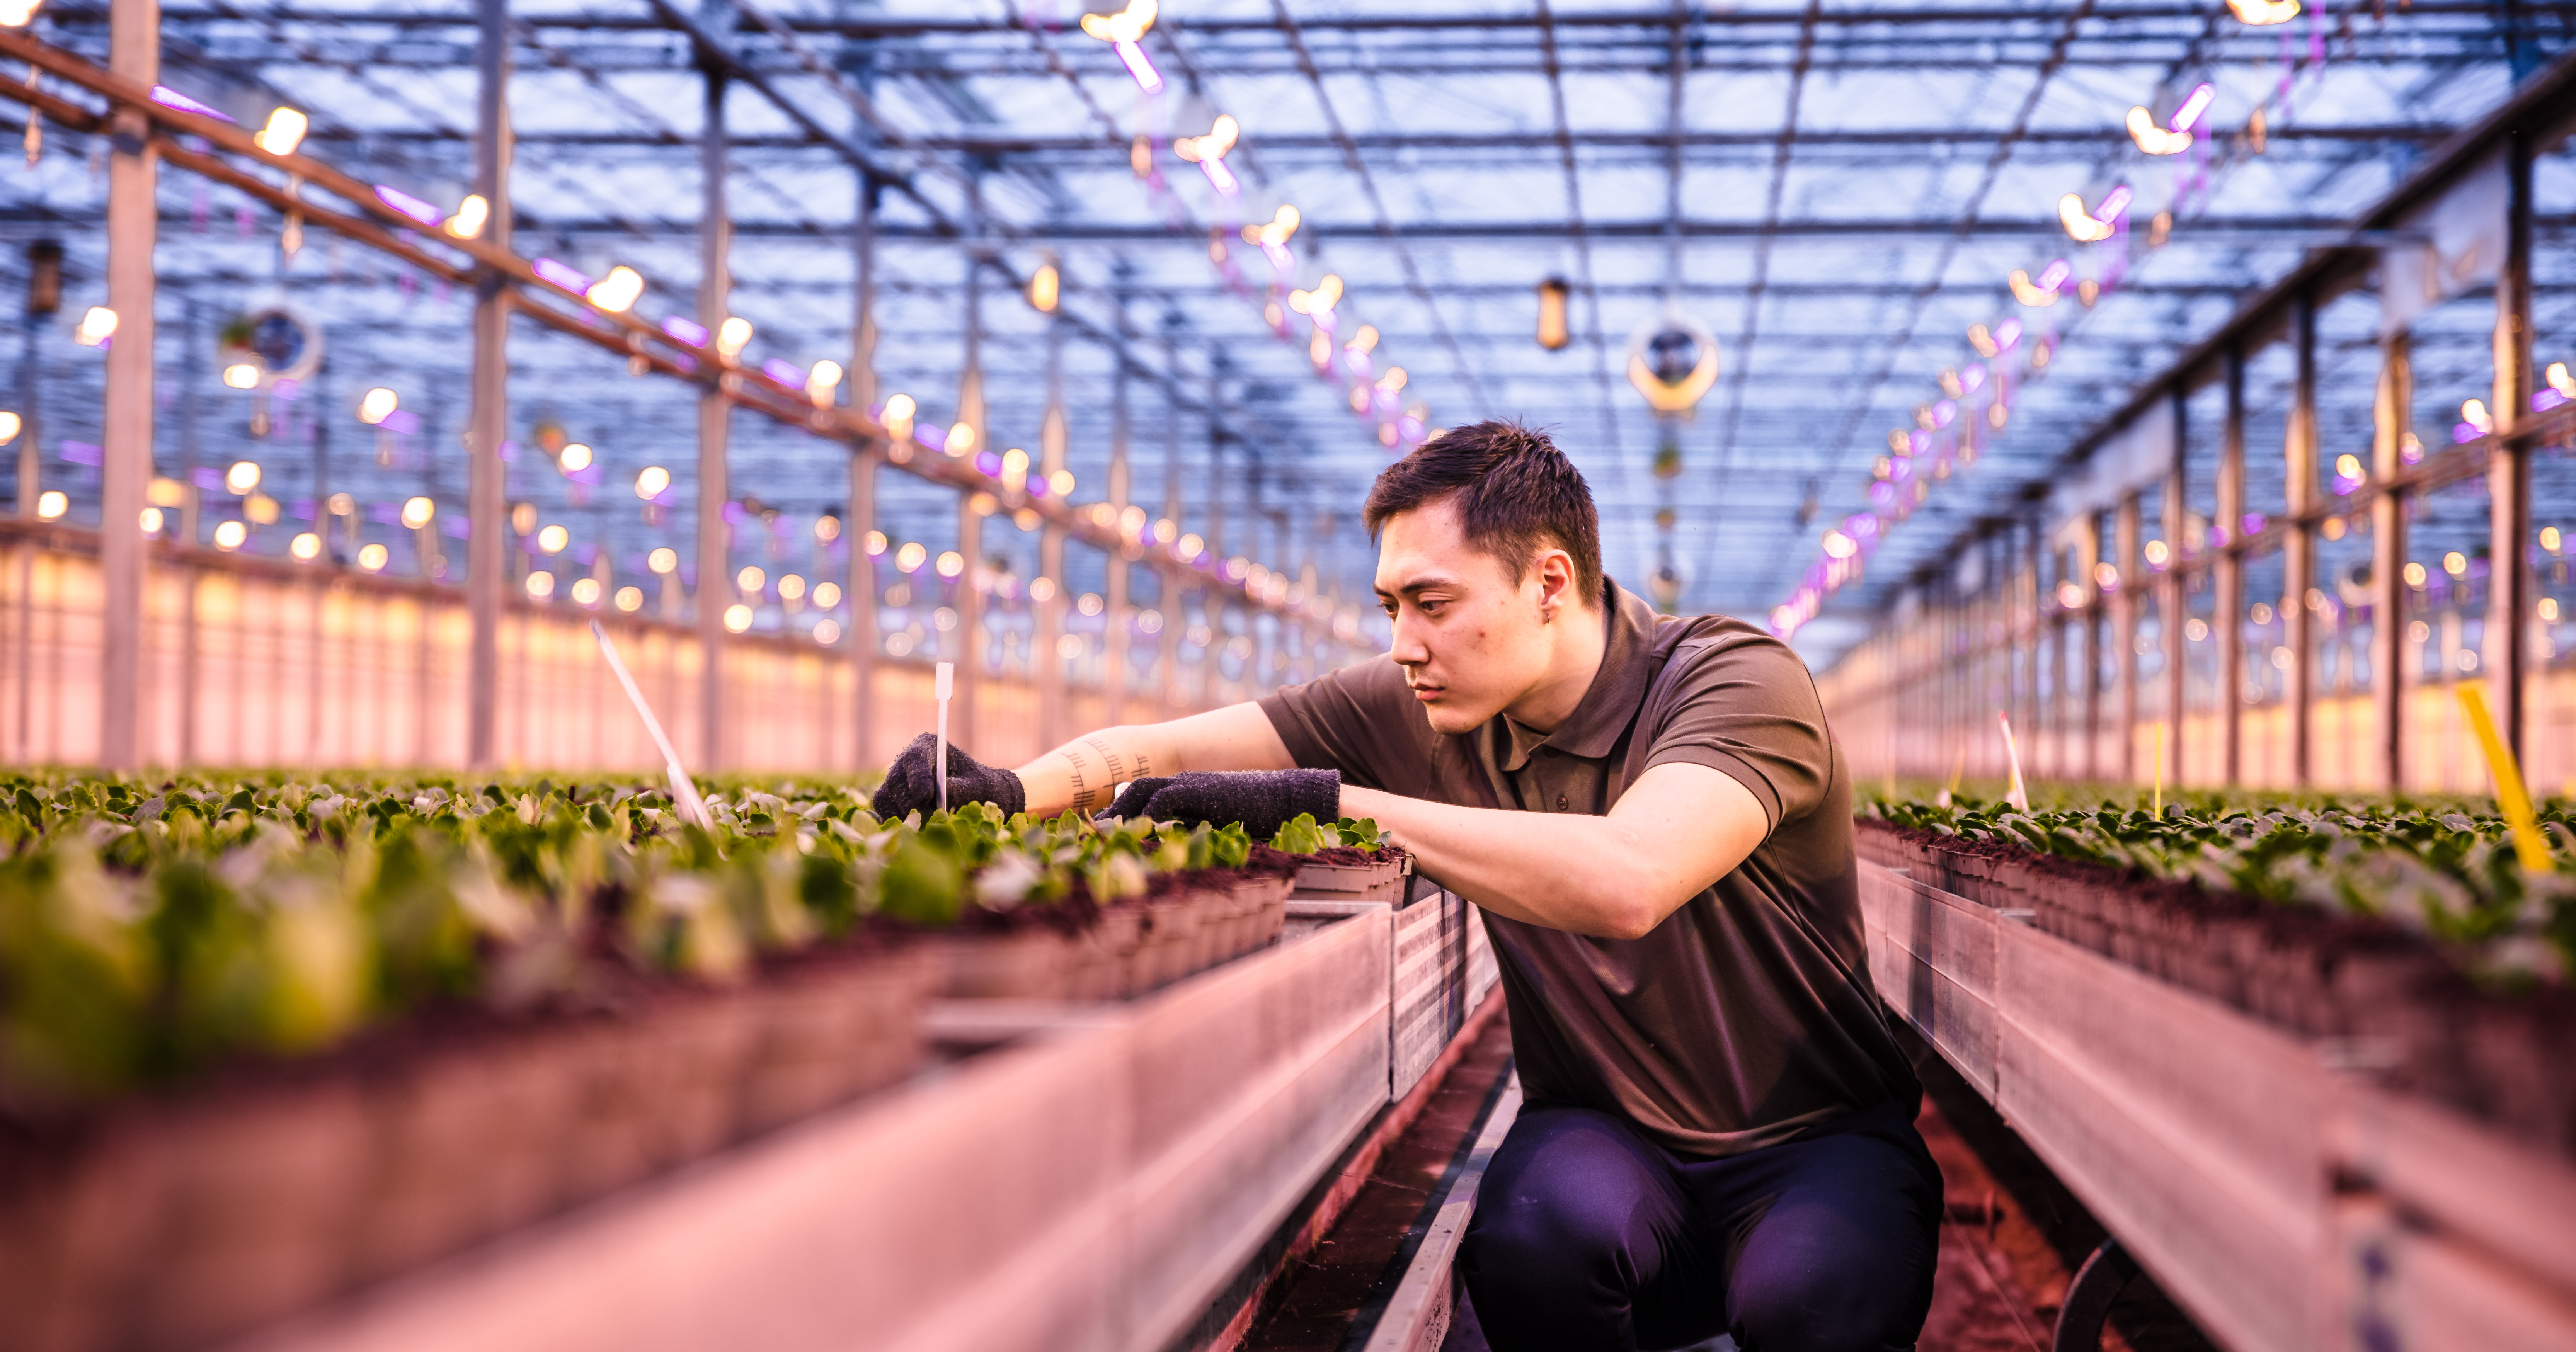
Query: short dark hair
[[1516, 492]]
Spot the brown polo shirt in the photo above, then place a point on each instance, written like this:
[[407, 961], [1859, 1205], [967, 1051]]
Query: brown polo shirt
[[1748, 1014]]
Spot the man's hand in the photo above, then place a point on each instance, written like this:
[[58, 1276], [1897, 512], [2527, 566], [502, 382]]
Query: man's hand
[[1263, 800], [912, 782]]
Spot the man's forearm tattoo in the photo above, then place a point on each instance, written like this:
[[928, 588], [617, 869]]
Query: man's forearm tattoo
[[1090, 793]]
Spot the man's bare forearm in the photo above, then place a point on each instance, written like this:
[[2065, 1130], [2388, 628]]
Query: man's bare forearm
[[1084, 774], [1680, 828]]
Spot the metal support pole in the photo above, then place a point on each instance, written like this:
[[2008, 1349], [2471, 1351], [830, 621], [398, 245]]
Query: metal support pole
[[2088, 563], [968, 601], [1046, 592], [134, 52], [970, 618], [1211, 673], [2058, 707], [861, 641], [2124, 634], [2229, 608], [715, 424], [485, 513], [2298, 549], [2173, 601], [1115, 618], [2022, 630], [44, 298], [2509, 604], [2391, 420], [1173, 594]]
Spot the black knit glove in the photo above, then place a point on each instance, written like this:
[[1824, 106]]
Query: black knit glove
[[912, 782], [1263, 800], [1139, 792]]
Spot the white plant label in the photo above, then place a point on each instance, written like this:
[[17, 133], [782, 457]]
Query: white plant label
[[683, 792], [943, 684]]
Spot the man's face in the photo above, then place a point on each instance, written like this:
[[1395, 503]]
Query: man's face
[[1472, 639]]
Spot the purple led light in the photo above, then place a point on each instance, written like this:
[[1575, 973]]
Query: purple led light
[[2464, 433], [684, 331], [2189, 113], [989, 463], [1945, 413], [409, 205], [785, 373], [2251, 524], [1214, 167], [1898, 471], [1037, 487], [2054, 275], [2546, 400], [401, 420], [1883, 493], [2007, 333], [171, 98], [1140, 66], [1918, 442], [936, 438], [1974, 377], [560, 274], [2113, 203]]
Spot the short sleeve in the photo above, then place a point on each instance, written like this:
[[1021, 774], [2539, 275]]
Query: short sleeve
[[1746, 706], [1360, 720]]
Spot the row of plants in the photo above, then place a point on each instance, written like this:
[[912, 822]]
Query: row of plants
[[150, 928], [2406, 938], [2446, 869]]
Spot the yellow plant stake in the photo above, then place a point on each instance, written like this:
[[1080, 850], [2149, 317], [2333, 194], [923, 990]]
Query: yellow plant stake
[[1957, 768], [2528, 844]]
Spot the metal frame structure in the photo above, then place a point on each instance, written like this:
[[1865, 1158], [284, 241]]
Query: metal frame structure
[[1836, 193], [2039, 581]]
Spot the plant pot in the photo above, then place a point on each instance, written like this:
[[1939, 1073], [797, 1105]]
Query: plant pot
[[1265, 903], [1107, 953], [262, 1194], [616, 1108], [472, 1139], [1028, 964], [1171, 945], [830, 1034], [704, 1044], [78, 1224]]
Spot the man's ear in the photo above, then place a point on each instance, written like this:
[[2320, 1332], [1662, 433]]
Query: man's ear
[[1555, 570]]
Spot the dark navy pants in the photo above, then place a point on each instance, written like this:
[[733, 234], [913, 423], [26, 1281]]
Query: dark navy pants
[[1588, 1236]]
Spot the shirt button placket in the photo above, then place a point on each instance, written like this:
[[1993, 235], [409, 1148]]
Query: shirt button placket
[[1560, 802]]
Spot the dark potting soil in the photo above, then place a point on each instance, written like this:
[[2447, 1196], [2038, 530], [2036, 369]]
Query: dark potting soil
[[2408, 1008], [1343, 856]]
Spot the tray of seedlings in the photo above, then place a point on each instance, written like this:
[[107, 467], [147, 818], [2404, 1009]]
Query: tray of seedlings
[[265, 1044], [2313, 1061], [1348, 863]]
